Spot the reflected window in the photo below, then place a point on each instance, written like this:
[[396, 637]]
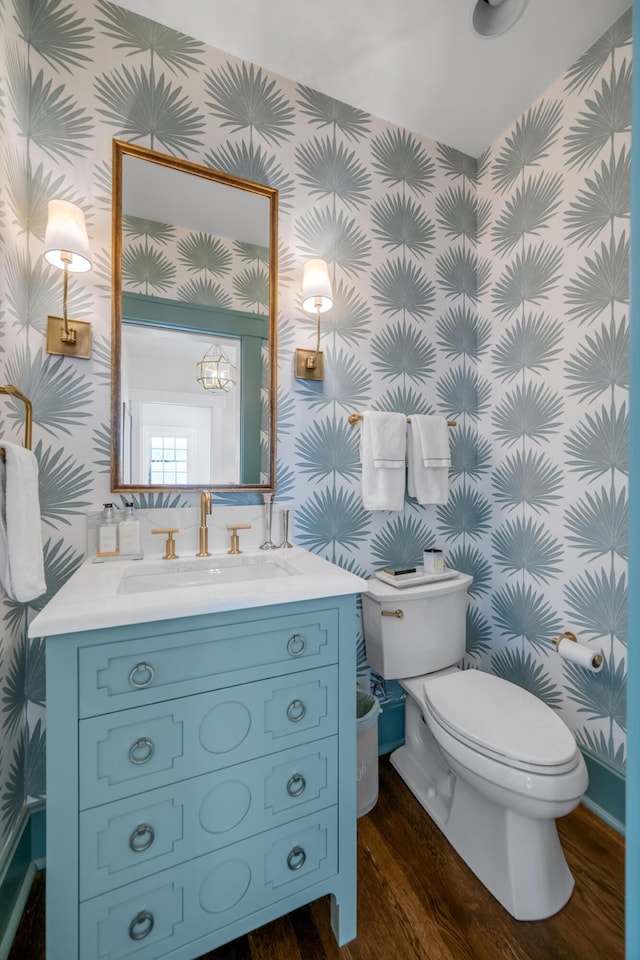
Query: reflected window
[[168, 459], [162, 393]]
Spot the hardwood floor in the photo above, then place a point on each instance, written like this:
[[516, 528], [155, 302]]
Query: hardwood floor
[[418, 901]]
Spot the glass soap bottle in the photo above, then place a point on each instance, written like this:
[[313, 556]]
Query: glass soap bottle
[[108, 533], [129, 531]]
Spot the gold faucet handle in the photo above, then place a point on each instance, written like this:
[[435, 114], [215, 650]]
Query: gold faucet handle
[[235, 539], [170, 545]]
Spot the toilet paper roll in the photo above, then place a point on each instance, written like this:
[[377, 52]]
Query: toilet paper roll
[[581, 654]]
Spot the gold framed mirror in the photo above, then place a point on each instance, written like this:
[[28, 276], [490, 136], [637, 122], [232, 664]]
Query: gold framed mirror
[[194, 326]]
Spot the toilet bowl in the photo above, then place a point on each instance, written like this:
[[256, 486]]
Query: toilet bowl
[[490, 763], [508, 743]]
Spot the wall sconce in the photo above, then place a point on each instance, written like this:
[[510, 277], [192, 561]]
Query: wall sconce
[[316, 298], [66, 246], [215, 370]]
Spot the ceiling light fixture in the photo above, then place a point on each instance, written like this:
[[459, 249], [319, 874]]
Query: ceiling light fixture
[[492, 18], [215, 370]]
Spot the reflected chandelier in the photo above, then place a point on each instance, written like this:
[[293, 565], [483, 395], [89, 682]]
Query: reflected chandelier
[[215, 370]]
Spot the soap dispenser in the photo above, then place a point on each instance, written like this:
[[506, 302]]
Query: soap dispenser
[[108, 533], [129, 530]]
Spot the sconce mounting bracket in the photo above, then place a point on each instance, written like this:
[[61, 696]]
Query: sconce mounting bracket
[[306, 368], [57, 346]]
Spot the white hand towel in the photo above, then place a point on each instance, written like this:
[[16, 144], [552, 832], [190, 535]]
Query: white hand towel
[[21, 558], [428, 459], [383, 454]]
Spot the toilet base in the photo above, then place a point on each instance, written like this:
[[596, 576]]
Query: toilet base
[[518, 858]]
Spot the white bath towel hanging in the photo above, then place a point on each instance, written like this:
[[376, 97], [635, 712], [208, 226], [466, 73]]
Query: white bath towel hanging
[[383, 443], [428, 459], [21, 558]]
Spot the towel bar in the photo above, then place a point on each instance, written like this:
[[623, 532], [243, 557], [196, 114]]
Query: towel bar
[[28, 413], [354, 418]]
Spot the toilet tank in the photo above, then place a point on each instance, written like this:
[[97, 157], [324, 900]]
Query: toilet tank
[[425, 632]]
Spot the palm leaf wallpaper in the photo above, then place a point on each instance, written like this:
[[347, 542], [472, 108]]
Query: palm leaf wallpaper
[[194, 266], [559, 245], [494, 291]]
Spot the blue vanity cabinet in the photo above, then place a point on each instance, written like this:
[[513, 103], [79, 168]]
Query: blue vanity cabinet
[[200, 779]]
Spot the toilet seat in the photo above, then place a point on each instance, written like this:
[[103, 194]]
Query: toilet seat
[[498, 720], [496, 756]]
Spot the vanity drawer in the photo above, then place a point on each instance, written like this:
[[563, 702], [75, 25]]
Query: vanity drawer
[[116, 676], [126, 753], [132, 838], [173, 908]]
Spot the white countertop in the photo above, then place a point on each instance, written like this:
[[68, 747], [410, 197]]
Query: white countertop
[[93, 599]]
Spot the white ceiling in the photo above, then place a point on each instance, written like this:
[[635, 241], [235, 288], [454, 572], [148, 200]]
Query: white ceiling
[[416, 63]]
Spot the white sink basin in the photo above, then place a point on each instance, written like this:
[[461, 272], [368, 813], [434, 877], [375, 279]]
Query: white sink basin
[[207, 571], [101, 595]]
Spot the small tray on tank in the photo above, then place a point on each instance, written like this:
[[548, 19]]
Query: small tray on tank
[[415, 579]]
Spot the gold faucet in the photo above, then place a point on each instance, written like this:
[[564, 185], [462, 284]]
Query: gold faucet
[[205, 508]]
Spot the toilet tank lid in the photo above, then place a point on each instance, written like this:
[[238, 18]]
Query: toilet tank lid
[[498, 716], [387, 593]]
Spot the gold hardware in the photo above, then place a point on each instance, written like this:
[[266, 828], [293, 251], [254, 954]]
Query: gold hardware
[[316, 298], [309, 364], [70, 338], [354, 418], [392, 613], [170, 546], [12, 391], [596, 659], [205, 508], [235, 539], [66, 247]]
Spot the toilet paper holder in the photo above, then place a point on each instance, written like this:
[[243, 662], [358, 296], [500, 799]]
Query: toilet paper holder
[[596, 660]]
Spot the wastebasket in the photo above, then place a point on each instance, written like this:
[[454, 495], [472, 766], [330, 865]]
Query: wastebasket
[[367, 710]]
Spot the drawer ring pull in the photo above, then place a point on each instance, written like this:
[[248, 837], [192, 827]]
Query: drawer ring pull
[[296, 711], [137, 840], [296, 858], [141, 925], [141, 745], [141, 668], [296, 645], [296, 785]]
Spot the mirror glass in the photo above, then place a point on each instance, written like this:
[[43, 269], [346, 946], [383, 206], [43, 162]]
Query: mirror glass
[[194, 326]]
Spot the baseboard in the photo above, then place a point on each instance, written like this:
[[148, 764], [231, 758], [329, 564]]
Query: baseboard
[[18, 866], [605, 795]]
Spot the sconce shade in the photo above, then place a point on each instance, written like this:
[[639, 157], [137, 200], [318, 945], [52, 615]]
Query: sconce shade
[[67, 233], [316, 287], [215, 370]]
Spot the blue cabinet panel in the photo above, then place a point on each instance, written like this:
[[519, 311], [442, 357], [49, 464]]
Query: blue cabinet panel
[[200, 779], [133, 838], [166, 911], [134, 750], [115, 677]]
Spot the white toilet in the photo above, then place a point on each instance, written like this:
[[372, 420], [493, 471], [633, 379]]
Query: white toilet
[[491, 764]]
